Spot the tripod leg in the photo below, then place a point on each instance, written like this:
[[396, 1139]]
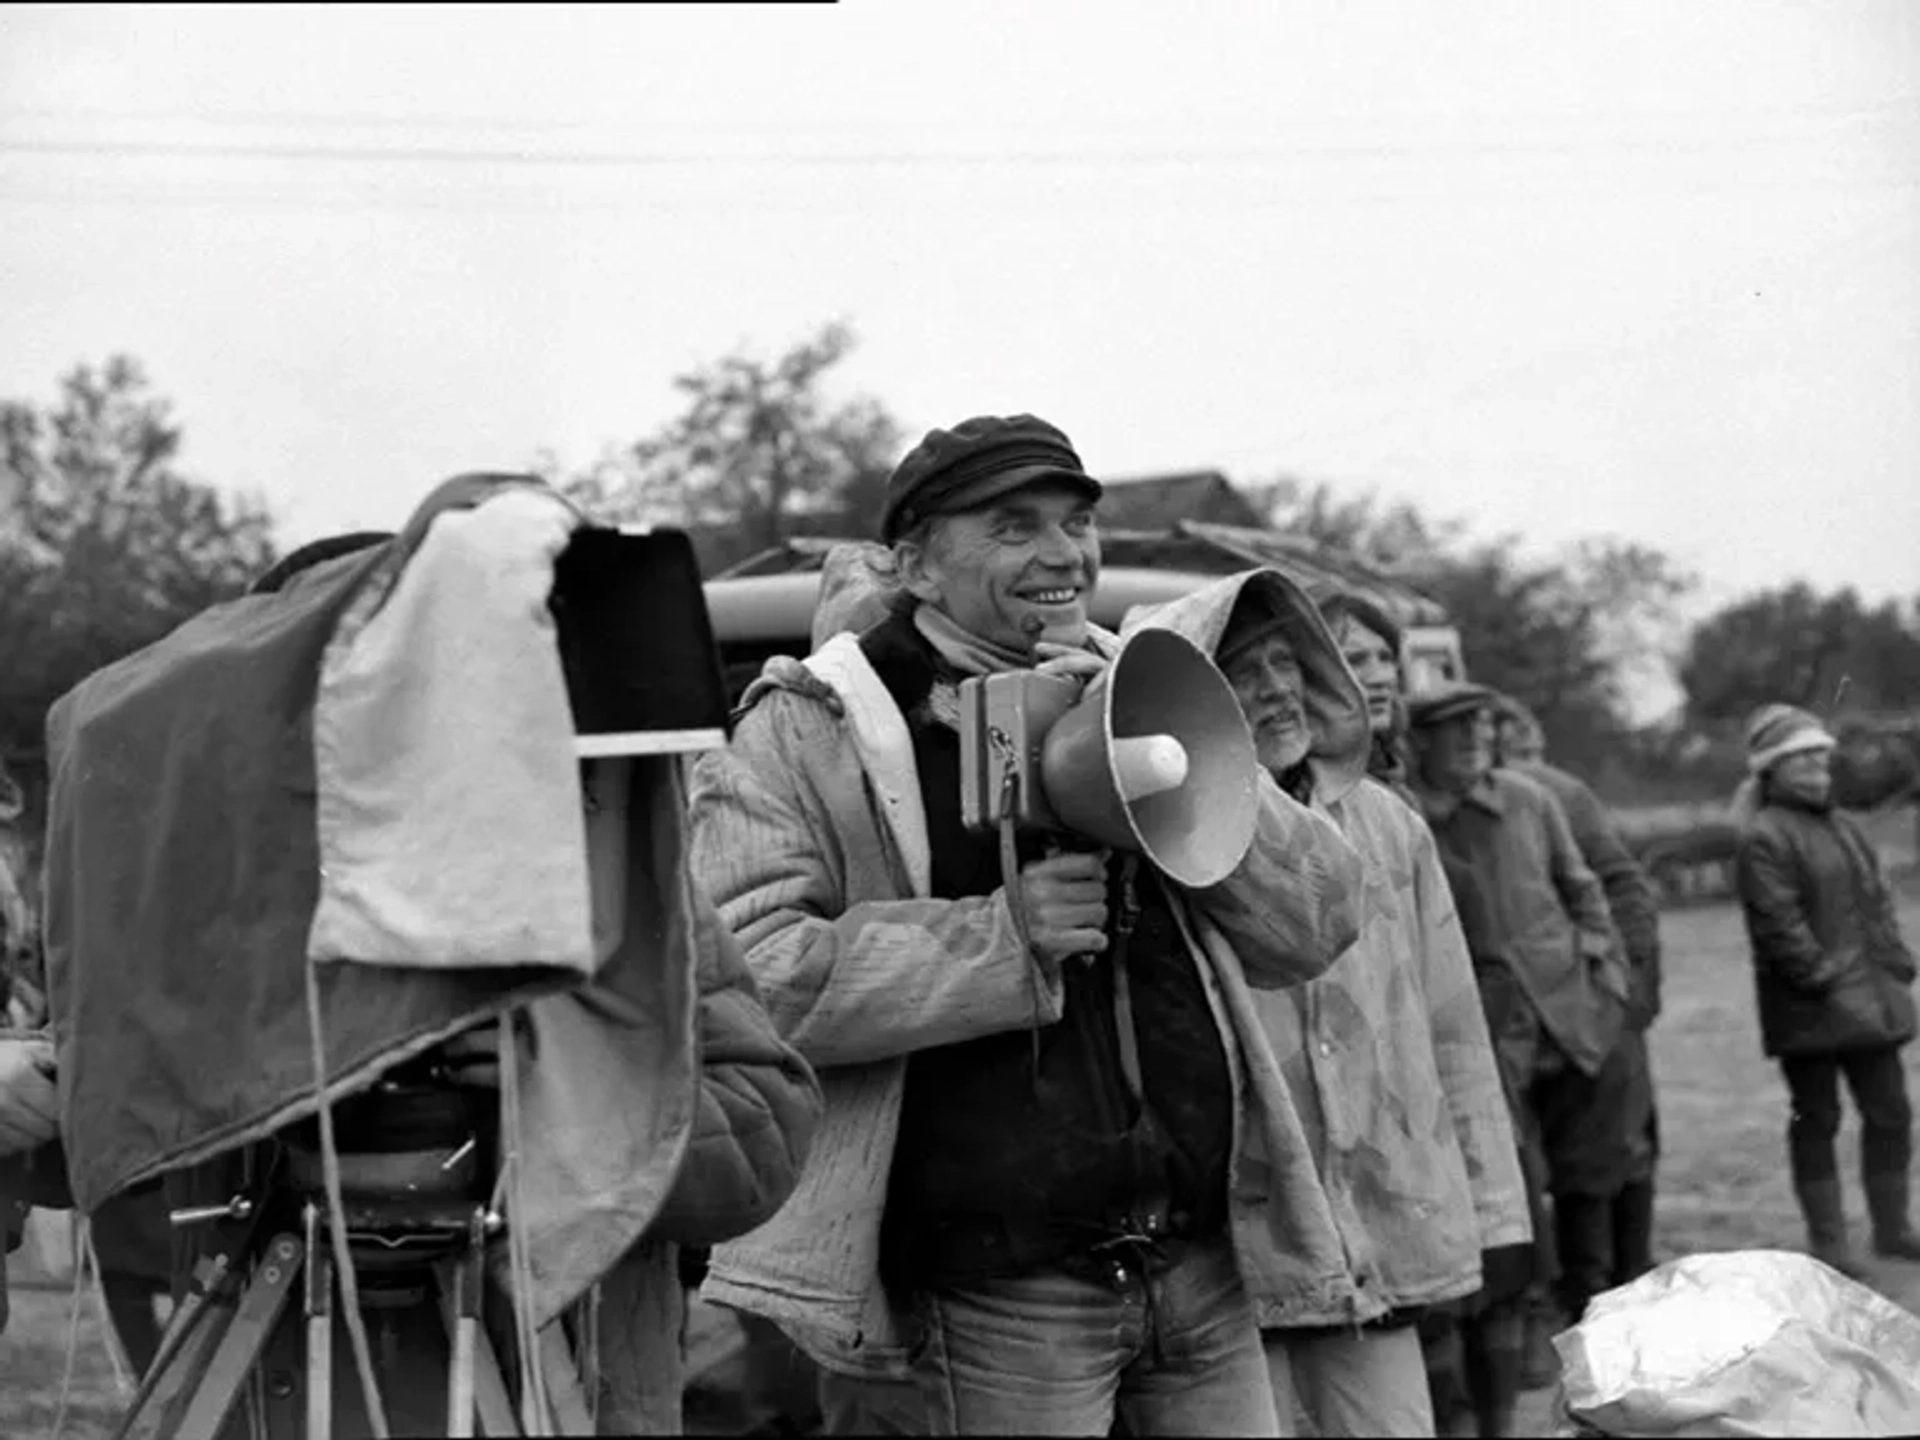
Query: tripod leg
[[491, 1402], [565, 1395], [184, 1343], [319, 1308], [467, 1278], [240, 1347]]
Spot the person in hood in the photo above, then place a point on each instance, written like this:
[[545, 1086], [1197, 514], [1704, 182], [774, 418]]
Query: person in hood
[[1021, 1199], [1834, 979], [1386, 1056]]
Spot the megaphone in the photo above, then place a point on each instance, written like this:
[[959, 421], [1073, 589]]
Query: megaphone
[[1154, 755]]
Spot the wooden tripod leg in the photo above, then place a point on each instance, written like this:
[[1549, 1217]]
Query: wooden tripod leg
[[468, 1276], [196, 1323], [462, 1297], [319, 1308], [565, 1395], [239, 1349]]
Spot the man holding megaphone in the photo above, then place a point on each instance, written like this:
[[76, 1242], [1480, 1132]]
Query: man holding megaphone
[[1017, 945]]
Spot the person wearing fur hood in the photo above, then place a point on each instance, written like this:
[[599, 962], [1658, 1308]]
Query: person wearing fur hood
[[1035, 1209], [1386, 1055]]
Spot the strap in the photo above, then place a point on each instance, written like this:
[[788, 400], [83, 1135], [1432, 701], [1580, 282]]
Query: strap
[[1010, 883], [1123, 926]]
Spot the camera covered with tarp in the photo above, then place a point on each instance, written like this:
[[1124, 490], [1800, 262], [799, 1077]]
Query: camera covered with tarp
[[410, 811]]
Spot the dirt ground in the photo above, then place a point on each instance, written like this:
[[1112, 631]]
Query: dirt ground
[[1723, 1178]]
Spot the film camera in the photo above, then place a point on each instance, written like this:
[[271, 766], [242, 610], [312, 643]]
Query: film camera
[[376, 1224]]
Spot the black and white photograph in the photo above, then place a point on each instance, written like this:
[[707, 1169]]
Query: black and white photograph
[[1083, 718]]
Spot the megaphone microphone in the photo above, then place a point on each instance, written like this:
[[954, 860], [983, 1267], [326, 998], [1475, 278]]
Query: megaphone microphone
[[1146, 765]]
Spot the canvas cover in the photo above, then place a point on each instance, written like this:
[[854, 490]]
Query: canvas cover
[[193, 812]]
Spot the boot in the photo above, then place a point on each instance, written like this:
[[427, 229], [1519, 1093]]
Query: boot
[[1494, 1342], [1583, 1231], [1824, 1205], [1887, 1204], [1632, 1231]]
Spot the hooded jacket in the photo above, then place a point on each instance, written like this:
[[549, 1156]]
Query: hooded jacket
[[1386, 1056], [809, 833]]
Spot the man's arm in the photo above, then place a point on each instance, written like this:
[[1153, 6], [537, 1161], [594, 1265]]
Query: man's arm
[[1783, 941], [846, 981], [1580, 892], [1630, 897], [757, 1107], [1293, 906]]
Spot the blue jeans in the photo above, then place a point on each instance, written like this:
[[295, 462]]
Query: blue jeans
[[1174, 1352]]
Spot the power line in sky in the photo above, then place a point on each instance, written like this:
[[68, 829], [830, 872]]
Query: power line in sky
[[1527, 139]]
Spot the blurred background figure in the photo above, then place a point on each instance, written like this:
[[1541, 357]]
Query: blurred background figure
[[1833, 976], [1603, 1222], [1552, 978]]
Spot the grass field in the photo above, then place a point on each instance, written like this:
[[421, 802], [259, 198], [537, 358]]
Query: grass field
[[1723, 1177]]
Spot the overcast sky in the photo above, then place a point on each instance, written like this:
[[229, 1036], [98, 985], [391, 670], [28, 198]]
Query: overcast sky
[[1647, 269]]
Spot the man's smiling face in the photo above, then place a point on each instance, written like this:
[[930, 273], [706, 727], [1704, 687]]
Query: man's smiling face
[[1015, 572]]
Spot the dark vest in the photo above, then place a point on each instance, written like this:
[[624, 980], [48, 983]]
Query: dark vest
[[1025, 1149]]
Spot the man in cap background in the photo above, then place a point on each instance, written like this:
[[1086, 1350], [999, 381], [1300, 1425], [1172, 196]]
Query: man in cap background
[[1603, 1230], [1018, 1197], [1552, 980], [1833, 977]]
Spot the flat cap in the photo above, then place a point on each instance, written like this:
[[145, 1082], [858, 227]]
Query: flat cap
[[1448, 701], [977, 462]]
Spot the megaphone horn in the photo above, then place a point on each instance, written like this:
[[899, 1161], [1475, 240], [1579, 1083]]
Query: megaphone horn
[[1157, 757]]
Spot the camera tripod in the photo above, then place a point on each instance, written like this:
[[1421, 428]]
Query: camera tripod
[[233, 1363]]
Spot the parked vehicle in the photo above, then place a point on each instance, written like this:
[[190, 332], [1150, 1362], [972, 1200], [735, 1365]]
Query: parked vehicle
[[764, 605]]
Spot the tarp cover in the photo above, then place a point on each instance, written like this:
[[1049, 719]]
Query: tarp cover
[[1751, 1342], [184, 875]]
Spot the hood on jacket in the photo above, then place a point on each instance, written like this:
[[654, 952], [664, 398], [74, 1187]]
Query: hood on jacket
[[1336, 706], [859, 587]]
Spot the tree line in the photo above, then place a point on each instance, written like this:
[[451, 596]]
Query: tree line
[[107, 544]]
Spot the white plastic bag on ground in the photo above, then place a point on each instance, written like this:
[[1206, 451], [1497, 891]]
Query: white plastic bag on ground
[[1751, 1342]]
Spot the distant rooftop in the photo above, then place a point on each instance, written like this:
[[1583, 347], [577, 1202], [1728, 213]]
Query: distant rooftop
[[1158, 502]]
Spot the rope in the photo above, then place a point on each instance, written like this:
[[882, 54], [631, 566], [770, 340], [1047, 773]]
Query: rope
[[73, 1344], [109, 1332], [337, 1221]]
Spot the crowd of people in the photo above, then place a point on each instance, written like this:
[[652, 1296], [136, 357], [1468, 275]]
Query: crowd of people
[[1329, 1147]]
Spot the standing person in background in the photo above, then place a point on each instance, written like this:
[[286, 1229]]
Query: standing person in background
[[1833, 977], [1552, 979], [1386, 1056], [1604, 1224]]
